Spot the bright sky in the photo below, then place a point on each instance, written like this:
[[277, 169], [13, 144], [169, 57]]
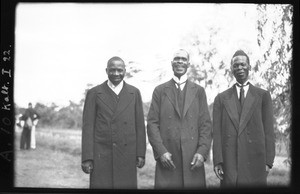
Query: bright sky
[[60, 48]]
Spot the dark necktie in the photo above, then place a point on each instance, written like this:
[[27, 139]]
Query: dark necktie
[[242, 93], [180, 97], [242, 96], [178, 86]]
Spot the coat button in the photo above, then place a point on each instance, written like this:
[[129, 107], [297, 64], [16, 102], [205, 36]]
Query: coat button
[[170, 117], [250, 141], [114, 144]]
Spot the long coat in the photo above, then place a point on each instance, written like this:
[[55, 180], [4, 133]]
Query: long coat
[[244, 146], [181, 135], [113, 138]]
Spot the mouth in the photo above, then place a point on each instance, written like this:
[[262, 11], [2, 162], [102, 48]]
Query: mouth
[[241, 73], [116, 77]]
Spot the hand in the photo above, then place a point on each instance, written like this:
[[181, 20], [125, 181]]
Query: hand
[[87, 166], [219, 171], [140, 162], [166, 161], [197, 161], [268, 169]]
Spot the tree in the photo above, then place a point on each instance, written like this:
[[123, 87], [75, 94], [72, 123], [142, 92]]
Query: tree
[[47, 114], [132, 68], [274, 37]]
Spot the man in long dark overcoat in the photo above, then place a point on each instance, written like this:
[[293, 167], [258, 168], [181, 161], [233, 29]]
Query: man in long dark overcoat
[[243, 134], [179, 130], [113, 131]]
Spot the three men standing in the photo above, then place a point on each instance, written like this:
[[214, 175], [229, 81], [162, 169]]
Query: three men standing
[[243, 134], [179, 129], [113, 131]]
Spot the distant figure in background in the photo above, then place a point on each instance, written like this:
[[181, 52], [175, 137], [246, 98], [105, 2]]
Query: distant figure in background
[[113, 131], [243, 133], [32, 139], [179, 129], [28, 119]]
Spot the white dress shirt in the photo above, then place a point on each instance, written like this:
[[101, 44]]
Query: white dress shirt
[[245, 86], [181, 81], [117, 89]]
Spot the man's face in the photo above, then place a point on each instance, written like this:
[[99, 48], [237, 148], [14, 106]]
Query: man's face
[[180, 63], [240, 68], [116, 71]]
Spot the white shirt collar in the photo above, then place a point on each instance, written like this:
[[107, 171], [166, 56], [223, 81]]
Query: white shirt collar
[[117, 89], [245, 87], [182, 79]]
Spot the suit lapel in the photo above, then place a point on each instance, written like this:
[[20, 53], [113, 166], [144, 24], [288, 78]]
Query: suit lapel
[[248, 108], [103, 95], [171, 95], [126, 96], [231, 108], [189, 96]]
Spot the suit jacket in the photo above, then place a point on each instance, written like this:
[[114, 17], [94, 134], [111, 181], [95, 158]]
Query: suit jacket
[[182, 135], [113, 138], [243, 145], [29, 117]]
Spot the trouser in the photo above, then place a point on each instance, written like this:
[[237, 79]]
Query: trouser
[[25, 138], [32, 139]]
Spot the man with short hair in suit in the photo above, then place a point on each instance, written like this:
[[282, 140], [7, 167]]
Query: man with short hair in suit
[[179, 129], [113, 131], [243, 134]]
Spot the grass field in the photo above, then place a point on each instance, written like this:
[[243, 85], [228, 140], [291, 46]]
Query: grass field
[[55, 163]]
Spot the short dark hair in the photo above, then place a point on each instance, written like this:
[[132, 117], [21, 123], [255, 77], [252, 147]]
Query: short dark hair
[[240, 53], [115, 58]]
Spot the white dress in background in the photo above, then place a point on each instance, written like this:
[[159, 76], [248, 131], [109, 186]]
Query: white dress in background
[[33, 141]]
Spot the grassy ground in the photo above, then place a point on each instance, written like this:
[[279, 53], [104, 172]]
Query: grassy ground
[[55, 163]]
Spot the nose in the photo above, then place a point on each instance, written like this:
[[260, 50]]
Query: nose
[[240, 67], [115, 72]]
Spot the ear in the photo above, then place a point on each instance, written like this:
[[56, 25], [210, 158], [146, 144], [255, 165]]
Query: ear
[[188, 64], [172, 63]]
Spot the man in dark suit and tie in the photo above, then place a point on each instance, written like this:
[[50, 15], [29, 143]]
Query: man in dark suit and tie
[[113, 131], [179, 129], [243, 134]]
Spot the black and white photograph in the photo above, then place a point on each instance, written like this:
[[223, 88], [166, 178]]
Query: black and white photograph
[[149, 96]]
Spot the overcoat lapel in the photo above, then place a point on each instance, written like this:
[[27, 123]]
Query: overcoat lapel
[[104, 96], [231, 108], [171, 95], [248, 108], [189, 96], [126, 96]]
